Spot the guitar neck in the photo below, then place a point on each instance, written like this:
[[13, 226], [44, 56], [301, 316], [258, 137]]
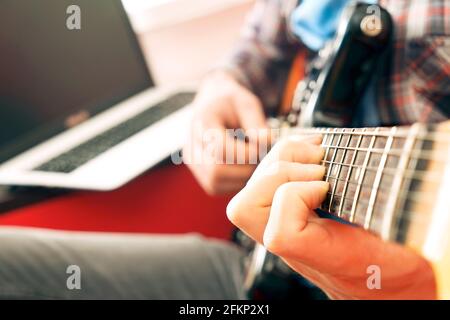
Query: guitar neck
[[372, 174]]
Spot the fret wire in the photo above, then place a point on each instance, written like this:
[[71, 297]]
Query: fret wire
[[358, 143], [414, 196], [406, 186], [416, 153], [423, 134], [330, 168], [377, 181], [360, 180], [422, 175], [415, 216], [324, 140], [392, 202], [333, 135], [419, 154], [369, 186]]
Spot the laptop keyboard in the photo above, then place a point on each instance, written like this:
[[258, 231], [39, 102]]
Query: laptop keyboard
[[80, 155]]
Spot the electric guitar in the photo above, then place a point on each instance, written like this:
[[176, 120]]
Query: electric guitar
[[394, 182], [391, 181]]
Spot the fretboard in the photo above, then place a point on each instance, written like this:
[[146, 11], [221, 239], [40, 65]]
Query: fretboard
[[370, 172]]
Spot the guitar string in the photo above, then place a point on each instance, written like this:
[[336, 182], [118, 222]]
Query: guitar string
[[421, 175], [404, 215], [407, 215], [424, 134], [365, 203], [412, 174], [399, 232], [415, 216], [412, 195], [418, 154], [410, 215]]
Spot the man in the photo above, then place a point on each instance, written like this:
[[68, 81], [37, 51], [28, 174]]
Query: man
[[34, 263], [414, 87]]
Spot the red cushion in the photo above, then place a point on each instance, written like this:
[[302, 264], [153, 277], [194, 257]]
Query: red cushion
[[165, 200]]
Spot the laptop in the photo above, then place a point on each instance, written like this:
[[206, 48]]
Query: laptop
[[79, 108]]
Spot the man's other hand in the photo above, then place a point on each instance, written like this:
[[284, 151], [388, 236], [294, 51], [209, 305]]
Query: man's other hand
[[222, 103]]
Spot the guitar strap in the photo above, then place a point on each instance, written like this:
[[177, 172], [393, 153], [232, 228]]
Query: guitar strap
[[296, 74]]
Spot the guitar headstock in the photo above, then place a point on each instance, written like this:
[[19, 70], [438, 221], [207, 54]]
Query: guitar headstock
[[428, 209]]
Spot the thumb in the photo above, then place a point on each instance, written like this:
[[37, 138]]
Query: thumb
[[250, 113]]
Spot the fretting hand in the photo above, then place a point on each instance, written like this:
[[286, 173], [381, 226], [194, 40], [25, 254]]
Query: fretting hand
[[275, 208]]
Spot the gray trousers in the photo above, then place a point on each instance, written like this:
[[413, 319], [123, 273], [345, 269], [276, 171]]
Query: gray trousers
[[38, 264]]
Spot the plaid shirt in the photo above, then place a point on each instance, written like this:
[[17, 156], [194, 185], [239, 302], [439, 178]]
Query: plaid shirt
[[414, 85]]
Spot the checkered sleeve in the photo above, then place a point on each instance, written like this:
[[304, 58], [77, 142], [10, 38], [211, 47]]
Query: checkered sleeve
[[262, 58], [430, 68], [418, 86]]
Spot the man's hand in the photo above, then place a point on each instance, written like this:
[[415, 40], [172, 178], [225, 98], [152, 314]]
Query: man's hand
[[222, 103], [276, 209]]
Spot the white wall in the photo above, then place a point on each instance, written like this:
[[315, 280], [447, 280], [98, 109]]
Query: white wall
[[185, 38]]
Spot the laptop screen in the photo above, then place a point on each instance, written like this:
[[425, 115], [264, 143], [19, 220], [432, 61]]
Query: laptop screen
[[58, 66]]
